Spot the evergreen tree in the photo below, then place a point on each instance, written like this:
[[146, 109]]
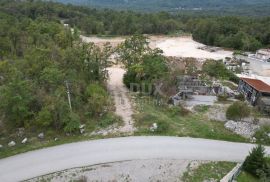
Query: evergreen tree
[[256, 161]]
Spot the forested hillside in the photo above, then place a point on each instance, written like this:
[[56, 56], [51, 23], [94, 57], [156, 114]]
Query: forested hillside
[[40, 61], [235, 32], [244, 7]]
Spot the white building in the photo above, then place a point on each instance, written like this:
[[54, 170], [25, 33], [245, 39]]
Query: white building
[[263, 54]]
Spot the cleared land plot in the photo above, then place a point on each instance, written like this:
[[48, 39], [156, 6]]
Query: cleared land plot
[[175, 121], [132, 171], [211, 171]]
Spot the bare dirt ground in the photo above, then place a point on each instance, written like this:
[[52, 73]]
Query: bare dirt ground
[[132, 171], [101, 41], [186, 47], [118, 91], [123, 105], [121, 99], [183, 46]]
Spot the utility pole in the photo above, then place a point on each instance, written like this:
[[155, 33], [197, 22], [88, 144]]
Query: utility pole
[[68, 94]]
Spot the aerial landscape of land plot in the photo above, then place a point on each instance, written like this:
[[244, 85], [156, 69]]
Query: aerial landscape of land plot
[[134, 90]]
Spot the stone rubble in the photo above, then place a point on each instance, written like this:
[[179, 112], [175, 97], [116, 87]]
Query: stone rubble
[[244, 129]]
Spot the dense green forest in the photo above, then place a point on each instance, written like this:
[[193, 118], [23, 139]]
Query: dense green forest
[[221, 7], [40, 61], [241, 33]]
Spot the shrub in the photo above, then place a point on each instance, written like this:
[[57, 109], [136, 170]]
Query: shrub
[[262, 135], [178, 111], [162, 127], [218, 70], [174, 111], [222, 98], [256, 161], [44, 118], [97, 99], [237, 111], [108, 120], [130, 78], [72, 123], [240, 97]]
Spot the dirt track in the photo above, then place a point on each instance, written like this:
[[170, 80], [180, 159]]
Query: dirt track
[[120, 94]]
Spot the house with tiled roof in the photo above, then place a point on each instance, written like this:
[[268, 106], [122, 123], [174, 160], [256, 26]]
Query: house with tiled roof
[[256, 92]]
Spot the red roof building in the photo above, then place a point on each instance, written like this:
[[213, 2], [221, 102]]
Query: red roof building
[[254, 90], [257, 84]]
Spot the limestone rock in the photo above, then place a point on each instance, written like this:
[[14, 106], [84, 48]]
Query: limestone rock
[[154, 127], [24, 140], [41, 136], [11, 144], [82, 130], [82, 126], [244, 129]]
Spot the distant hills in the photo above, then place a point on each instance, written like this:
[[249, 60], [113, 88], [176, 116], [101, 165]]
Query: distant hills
[[245, 7]]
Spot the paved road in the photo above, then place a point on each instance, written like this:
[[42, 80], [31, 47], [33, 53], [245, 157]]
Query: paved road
[[40, 162]]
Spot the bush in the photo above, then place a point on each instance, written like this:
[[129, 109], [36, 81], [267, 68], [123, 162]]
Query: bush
[[178, 111], [262, 135], [256, 161], [44, 118], [97, 99], [240, 97], [162, 127], [222, 98], [130, 78], [218, 70], [144, 75], [237, 111], [108, 120], [72, 123]]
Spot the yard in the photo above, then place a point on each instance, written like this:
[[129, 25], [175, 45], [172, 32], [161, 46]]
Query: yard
[[214, 171], [176, 121], [245, 177]]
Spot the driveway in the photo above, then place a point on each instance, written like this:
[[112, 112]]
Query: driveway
[[40, 162]]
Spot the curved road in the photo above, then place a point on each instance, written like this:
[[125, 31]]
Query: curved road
[[40, 162]]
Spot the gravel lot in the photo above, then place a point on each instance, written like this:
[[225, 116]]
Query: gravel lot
[[132, 171]]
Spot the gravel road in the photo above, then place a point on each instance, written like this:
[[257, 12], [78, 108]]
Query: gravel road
[[49, 160]]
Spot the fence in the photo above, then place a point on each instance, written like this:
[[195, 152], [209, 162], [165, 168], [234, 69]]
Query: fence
[[232, 175]]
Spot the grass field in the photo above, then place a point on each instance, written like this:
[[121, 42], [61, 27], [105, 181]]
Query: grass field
[[206, 171], [245, 177], [176, 121]]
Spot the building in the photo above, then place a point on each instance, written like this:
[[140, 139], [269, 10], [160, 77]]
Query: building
[[257, 92], [191, 84], [263, 54]]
